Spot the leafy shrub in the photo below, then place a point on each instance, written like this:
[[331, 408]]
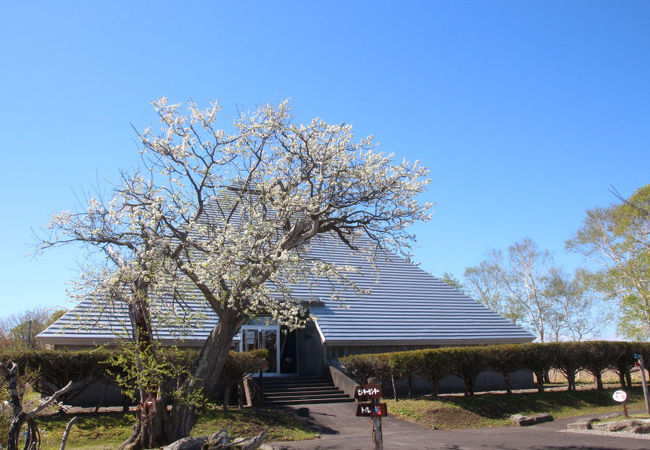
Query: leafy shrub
[[239, 364], [596, 357], [468, 363], [539, 359], [568, 360], [434, 365], [505, 359], [624, 362], [359, 366]]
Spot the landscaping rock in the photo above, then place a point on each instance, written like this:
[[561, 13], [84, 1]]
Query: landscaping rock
[[188, 443], [630, 426], [217, 441], [247, 444], [584, 424], [524, 421], [641, 429]]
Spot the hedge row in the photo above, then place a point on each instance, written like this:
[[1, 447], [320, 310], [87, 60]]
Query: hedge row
[[468, 362], [49, 370]]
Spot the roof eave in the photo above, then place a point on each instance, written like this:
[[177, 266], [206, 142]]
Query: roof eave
[[85, 341], [431, 342]]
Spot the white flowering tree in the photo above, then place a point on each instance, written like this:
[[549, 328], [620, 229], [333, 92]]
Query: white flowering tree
[[232, 211], [128, 271]]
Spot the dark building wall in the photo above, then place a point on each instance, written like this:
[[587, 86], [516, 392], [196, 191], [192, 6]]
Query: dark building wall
[[488, 380], [312, 359]]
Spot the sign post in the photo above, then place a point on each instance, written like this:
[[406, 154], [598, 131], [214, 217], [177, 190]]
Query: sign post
[[621, 397], [375, 410], [639, 358]]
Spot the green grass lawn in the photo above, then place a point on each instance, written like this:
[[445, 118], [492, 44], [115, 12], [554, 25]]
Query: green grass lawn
[[109, 430], [495, 409]]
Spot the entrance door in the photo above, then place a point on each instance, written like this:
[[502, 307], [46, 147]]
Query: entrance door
[[288, 353], [256, 337]]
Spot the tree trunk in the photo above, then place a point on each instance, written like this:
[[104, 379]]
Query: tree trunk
[[571, 380], [149, 430], [409, 382], [226, 396], [540, 381], [434, 389], [628, 378], [469, 387], [599, 381], [506, 377], [392, 382], [205, 375], [152, 417]]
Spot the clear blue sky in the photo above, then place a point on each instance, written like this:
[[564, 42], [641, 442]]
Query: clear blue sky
[[525, 112]]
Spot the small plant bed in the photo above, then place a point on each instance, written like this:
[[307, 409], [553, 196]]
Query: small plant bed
[[492, 410], [107, 430]]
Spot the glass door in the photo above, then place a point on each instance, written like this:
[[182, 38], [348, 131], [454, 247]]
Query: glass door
[[255, 337]]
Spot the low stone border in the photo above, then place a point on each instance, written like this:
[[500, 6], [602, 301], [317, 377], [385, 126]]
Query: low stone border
[[632, 428], [620, 434]]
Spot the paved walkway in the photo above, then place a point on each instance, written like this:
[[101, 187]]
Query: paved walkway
[[341, 430]]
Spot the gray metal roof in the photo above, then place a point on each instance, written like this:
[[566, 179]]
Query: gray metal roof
[[406, 306]]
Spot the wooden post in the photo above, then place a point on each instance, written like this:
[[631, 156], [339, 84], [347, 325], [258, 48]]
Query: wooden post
[[377, 437], [625, 409], [645, 384], [261, 379]]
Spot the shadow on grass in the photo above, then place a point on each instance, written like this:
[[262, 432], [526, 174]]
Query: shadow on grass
[[278, 425], [90, 420], [498, 406]]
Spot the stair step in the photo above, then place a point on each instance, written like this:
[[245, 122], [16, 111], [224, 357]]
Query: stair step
[[289, 396], [309, 401], [302, 390], [296, 382], [297, 388], [310, 391]]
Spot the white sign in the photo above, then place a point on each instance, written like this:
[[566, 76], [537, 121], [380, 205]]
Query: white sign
[[620, 396]]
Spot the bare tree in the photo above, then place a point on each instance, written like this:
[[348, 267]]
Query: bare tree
[[526, 287], [573, 315]]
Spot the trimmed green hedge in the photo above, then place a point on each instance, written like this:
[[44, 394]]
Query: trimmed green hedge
[[49, 370], [468, 362]]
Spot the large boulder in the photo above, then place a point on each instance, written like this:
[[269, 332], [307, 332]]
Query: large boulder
[[523, 421], [217, 441]]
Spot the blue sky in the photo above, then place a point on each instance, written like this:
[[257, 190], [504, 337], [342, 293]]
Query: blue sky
[[525, 112]]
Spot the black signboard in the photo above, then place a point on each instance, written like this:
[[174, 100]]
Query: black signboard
[[368, 391], [372, 410]]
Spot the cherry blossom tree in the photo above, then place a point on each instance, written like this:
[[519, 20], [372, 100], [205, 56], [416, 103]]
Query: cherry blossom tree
[[231, 213]]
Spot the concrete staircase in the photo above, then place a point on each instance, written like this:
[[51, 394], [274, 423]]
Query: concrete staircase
[[301, 390]]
